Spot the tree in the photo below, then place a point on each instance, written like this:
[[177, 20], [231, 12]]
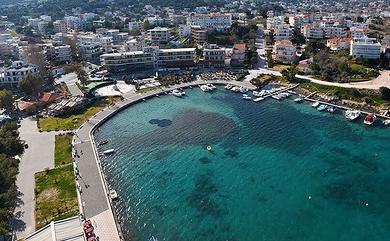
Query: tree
[[6, 100], [33, 54], [74, 48], [289, 73], [270, 60], [297, 37], [145, 25], [30, 84], [82, 75], [385, 93]]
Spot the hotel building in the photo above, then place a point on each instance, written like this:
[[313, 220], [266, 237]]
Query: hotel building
[[217, 21], [368, 48]]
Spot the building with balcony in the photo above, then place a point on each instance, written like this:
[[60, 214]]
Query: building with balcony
[[17, 71], [238, 55], [150, 58], [214, 56], [217, 21], [159, 35], [284, 52], [199, 34], [368, 48]]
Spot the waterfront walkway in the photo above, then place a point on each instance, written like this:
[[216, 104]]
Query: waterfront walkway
[[94, 201]]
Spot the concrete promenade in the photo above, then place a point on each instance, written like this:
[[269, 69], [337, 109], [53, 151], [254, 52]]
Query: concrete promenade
[[94, 200]]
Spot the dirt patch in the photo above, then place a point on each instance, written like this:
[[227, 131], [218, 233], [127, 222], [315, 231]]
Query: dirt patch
[[49, 193]]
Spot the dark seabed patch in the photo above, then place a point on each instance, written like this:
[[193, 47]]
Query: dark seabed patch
[[204, 160], [160, 123], [191, 126], [201, 198], [231, 153]]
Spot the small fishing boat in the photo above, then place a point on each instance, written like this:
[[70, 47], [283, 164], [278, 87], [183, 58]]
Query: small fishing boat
[[177, 93], [246, 97], [103, 142], [331, 109], [235, 89], [370, 119], [322, 107], [109, 151], [315, 104], [113, 195], [352, 114], [256, 93], [297, 100], [209, 148], [243, 89], [228, 86], [386, 122]]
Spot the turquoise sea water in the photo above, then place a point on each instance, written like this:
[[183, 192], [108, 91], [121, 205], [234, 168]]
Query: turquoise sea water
[[268, 158]]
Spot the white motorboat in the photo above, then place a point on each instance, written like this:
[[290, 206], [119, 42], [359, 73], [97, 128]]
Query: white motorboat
[[315, 104], [177, 93], [228, 86], [113, 195], [256, 93], [276, 97], [235, 89], [370, 119], [352, 114], [297, 100], [211, 86], [386, 122], [109, 151], [258, 99], [204, 88], [331, 109], [246, 97], [243, 89]]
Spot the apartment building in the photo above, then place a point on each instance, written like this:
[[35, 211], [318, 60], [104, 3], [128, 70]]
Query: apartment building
[[59, 53], [214, 56], [134, 45], [334, 32], [115, 34], [368, 48], [284, 52], [17, 71], [238, 55], [60, 26], [199, 34], [358, 32], [149, 57], [159, 35], [311, 31], [282, 32], [217, 21], [274, 22]]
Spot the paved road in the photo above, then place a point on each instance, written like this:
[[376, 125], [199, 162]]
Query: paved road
[[37, 157]]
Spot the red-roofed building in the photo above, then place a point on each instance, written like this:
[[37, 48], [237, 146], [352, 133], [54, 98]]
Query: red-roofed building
[[238, 55], [284, 52], [336, 44], [48, 97]]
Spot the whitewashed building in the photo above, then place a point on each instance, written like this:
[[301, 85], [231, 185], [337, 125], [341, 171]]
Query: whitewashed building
[[368, 48]]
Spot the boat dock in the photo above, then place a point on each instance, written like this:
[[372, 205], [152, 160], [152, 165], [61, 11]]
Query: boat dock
[[307, 98], [276, 92]]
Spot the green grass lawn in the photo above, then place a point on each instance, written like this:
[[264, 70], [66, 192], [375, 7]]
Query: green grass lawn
[[74, 121], [55, 194], [280, 67], [63, 149]]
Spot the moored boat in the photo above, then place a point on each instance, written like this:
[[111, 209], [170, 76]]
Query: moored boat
[[352, 114], [258, 99], [177, 93], [246, 97], [109, 151], [103, 142], [315, 104], [297, 100], [113, 195], [204, 88], [331, 109], [370, 119], [386, 122], [322, 107]]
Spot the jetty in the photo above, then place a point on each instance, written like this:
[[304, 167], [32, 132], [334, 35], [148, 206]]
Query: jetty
[[308, 98], [276, 92]]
